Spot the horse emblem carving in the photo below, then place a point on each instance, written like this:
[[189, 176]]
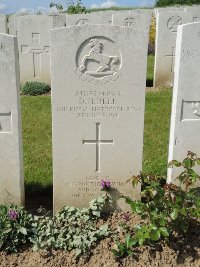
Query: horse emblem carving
[[107, 64]]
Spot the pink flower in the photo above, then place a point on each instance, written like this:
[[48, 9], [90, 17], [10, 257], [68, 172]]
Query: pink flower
[[126, 216], [105, 184], [13, 214]]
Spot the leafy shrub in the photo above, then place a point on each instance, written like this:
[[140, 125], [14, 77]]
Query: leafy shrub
[[76, 8], [71, 228], [166, 209], [73, 8], [35, 88], [58, 6], [161, 3], [15, 228]]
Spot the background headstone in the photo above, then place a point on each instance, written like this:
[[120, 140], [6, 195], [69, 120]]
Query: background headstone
[[91, 18], [135, 20], [98, 95], [166, 30], [11, 178], [195, 11], [34, 46], [185, 117], [3, 24], [12, 25]]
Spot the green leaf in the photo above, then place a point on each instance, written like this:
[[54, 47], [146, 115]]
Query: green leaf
[[23, 231], [174, 214], [164, 232], [183, 211], [155, 234], [188, 163], [174, 163], [96, 213]]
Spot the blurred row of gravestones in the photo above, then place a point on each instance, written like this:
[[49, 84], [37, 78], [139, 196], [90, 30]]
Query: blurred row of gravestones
[[34, 44]]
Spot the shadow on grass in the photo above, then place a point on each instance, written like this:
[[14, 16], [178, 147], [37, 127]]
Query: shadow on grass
[[37, 195], [149, 82]]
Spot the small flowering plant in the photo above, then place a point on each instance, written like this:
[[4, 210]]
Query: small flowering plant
[[15, 227], [105, 184]]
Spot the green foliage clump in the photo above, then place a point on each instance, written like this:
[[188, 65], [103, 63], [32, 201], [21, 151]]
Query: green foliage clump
[[34, 88], [57, 5], [165, 208], [15, 228], [73, 8], [71, 228], [76, 8], [162, 3]]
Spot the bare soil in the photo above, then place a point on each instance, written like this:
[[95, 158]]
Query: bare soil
[[180, 251]]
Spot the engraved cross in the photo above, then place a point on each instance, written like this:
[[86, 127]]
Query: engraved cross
[[98, 142], [172, 59], [36, 50]]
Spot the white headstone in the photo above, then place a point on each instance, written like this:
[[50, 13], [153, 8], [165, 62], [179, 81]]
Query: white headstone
[[166, 30], [3, 23], [98, 95], [12, 25], [135, 20], [168, 9], [185, 117], [34, 46], [11, 178], [195, 11], [92, 18]]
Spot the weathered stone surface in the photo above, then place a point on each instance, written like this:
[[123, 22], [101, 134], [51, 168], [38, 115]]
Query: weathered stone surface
[[34, 45], [185, 117], [92, 18], [168, 9], [165, 45], [98, 97], [3, 24], [11, 178], [195, 11], [134, 19], [12, 25]]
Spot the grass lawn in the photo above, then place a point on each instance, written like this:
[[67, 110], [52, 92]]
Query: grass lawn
[[156, 131], [37, 143], [150, 71]]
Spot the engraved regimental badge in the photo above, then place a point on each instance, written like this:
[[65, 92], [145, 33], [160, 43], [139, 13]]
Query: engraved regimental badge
[[174, 22], [98, 61]]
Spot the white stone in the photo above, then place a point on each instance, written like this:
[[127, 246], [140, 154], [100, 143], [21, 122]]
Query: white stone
[[12, 25], [98, 95], [168, 9], [34, 46], [166, 30], [91, 18], [135, 20], [185, 117], [195, 11], [11, 178], [3, 24]]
